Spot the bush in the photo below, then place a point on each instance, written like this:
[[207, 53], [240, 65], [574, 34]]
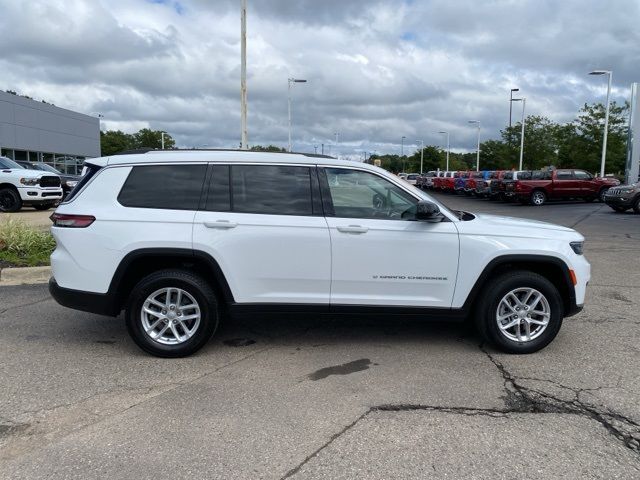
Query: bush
[[21, 245]]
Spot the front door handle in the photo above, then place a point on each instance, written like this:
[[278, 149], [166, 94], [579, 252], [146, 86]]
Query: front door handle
[[353, 229], [224, 224]]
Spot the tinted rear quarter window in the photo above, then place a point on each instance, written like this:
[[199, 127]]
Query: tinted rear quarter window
[[89, 172], [170, 187]]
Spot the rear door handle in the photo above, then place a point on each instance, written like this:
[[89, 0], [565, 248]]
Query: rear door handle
[[353, 229], [223, 224]]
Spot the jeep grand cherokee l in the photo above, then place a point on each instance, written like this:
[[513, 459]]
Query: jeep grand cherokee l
[[179, 239]]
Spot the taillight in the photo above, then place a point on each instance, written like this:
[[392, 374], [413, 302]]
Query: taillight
[[71, 221]]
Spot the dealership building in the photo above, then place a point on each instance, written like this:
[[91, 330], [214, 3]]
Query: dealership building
[[41, 132]]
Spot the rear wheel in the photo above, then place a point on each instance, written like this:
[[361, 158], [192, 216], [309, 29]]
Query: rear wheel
[[538, 197], [521, 312], [172, 313], [10, 200]]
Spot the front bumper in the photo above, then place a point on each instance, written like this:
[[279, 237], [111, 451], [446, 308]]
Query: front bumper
[[619, 201], [37, 194]]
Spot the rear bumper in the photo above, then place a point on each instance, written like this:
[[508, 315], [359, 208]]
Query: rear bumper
[[100, 303]]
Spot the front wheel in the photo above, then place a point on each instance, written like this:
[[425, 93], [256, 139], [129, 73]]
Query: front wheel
[[172, 313], [538, 198], [619, 209], [521, 312], [602, 194], [10, 200]]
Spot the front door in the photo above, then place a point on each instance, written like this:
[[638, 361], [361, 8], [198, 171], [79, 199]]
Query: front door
[[379, 254]]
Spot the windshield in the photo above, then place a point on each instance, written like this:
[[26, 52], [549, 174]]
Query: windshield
[[8, 163], [47, 168]]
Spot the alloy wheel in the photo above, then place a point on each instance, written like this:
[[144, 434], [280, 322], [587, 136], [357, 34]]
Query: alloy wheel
[[523, 314], [170, 316]]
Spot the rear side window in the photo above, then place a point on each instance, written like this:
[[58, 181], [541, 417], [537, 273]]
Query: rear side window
[[564, 175], [271, 189], [170, 187], [88, 172]]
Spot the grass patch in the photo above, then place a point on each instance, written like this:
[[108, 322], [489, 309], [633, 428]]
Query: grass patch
[[24, 246]]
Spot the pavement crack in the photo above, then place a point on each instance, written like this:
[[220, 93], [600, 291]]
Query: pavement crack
[[584, 217], [332, 439], [35, 302], [522, 399]]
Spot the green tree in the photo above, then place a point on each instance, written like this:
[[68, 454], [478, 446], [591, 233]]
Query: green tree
[[268, 148], [114, 141], [147, 138]]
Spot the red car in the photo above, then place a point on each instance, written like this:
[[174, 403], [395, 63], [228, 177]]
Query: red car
[[564, 183], [447, 183]]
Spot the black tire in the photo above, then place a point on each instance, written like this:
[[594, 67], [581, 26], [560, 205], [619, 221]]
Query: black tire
[[487, 310], [538, 198], [618, 209], [10, 200], [194, 285], [602, 193], [43, 206]]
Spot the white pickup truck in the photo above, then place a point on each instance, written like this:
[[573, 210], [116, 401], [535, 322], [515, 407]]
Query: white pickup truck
[[19, 186]]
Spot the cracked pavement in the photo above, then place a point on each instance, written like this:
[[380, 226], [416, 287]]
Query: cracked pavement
[[333, 398]]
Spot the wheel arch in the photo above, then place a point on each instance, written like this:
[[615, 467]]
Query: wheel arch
[[552, 268], [10, 186], [140, 263]]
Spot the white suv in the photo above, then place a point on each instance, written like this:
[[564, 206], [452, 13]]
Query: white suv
[[179, 239], [19, 186]]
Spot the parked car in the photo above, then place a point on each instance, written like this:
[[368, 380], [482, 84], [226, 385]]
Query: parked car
[[447, 183], [483, 187], [19, 186], [412, 178], [67, 181], [471, 186], [459, 184], [426, 179], [436, 182], [174, 258], [624, 197], [507, 187], [495, 185], [563, 183]]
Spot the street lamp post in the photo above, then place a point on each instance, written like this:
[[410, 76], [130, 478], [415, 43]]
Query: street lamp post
[[291, 81], [402, 152], [511, 104], [477, 122], [162, 140], [243, 75], [522, 122], [606, 117], [421, 154], [448, 149]]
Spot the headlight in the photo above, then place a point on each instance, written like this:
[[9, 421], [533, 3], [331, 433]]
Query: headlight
[[577, 247], [29, 181], [71, 183]]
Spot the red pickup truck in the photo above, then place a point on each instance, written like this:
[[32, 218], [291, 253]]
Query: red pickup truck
[[565, 183]]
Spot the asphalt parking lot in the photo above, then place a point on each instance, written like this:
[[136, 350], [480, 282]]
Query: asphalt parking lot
[[333, 398]]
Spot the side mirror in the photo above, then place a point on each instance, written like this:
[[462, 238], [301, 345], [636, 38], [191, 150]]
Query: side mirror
[[427, 212]]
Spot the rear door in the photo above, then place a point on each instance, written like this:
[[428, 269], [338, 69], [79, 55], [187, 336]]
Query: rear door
[[380, 255], [585, 181], [264, 226], [566, 184]]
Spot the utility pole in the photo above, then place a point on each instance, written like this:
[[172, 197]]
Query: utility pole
[[243, 75], [606, 118], [290, 81], [511, 104], [162, 139], [421, 154], [402, 153]]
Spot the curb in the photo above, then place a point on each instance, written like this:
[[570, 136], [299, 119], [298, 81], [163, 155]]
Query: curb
[[24, 275]]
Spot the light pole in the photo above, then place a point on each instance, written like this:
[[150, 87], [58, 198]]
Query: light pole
[[448, 149], [522, 122], [511, 103], [477, 122], [421, 154], [291, 81], [402, 152], [606, 117], [243, 75], [162, 140]]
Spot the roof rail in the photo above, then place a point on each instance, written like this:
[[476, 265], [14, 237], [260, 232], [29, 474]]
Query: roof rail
[[155, 150]]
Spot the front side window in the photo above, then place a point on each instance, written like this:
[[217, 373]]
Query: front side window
[[271, 189], [169, 187], [580, 175], [358, 194], [564, 175]]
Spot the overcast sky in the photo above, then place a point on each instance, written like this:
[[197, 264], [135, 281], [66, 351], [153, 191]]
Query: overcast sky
[[376, 70]]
